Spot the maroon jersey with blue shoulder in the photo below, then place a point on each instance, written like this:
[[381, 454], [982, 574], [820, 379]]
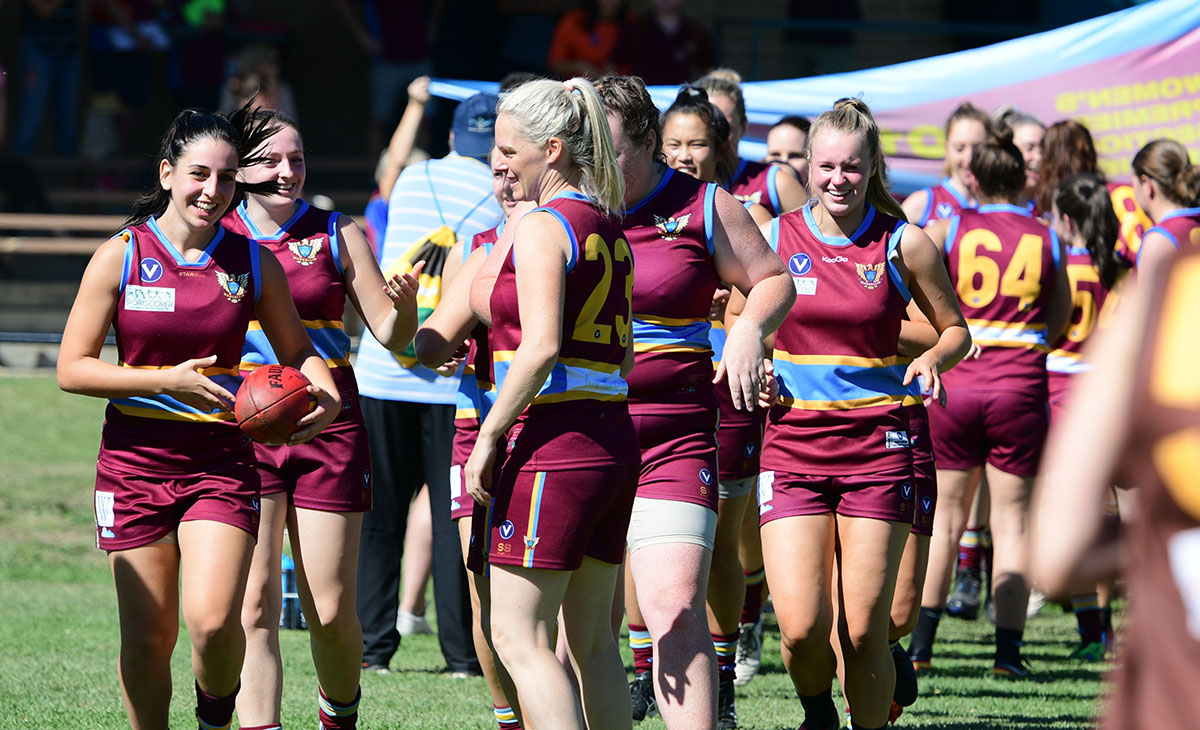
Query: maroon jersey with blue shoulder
[[1002, 263], [755, 183], [945, 201], [579, 417], [475, 392], [842, 406], [670, 232], [308, 246], [169, 311], [1092, 307], [1180, 227]]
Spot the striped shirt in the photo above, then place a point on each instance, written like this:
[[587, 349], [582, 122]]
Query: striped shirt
[[465, 202]]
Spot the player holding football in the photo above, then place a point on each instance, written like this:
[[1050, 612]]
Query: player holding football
[[177, 488]]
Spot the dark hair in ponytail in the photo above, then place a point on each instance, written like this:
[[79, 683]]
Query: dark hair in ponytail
[[1166, 162], [1085, 200], [998, 166], [242, 130], [694, 100]]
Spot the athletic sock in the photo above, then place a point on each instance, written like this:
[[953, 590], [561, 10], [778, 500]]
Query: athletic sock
[[215, 713], [755, 593], [642, 646], [1008, 646], [970, 549], [1090, 618], [336, 716], [923, 636], [505, 717], [819, 710], [726, 648], [272, 726]]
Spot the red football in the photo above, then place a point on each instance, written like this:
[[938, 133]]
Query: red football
[[270, 401]]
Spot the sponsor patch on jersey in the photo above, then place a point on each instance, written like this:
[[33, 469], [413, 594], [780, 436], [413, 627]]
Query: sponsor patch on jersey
[[507, 530], [800, 264], [151, 270], [870, 275], [105, 516], [926, 504], [671, 228], [944, 210], [149, 298], [233, 286], [906, 490], [766, 490], [834, 259], [706, 476], [456, 489], [806, 285], [896, 440], [305, 251]]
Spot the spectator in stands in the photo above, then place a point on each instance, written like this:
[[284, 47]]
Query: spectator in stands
[[665, 46], [48, 68], [584, 39]]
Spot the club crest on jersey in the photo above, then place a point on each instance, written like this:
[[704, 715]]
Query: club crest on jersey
[[531, 542], [944, 210], [671, 228], [233, 287], [507, 530], [305, 251], [151, 270], [706, 477], [800, 264], [754, 198], [870, 276]]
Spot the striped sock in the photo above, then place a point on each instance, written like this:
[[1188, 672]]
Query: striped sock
[[642, 646], [335, 716], [970, 549], [755, 593], [1089, 618], [726, 646], [506, 718], [215, 713]]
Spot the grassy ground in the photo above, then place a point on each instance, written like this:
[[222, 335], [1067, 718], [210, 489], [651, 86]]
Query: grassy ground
[[58, 628]]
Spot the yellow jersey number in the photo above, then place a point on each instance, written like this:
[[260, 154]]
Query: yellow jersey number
[[1022, 278], [586, 327]]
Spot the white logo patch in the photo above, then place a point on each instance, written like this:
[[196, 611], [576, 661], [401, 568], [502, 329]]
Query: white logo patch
[[507, 529], [455, 482], [149, 298], [766, 490], [104, 509], [806, 285], [896, 440]]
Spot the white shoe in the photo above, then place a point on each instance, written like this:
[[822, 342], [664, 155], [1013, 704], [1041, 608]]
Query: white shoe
[[408, 624], [749, 652]]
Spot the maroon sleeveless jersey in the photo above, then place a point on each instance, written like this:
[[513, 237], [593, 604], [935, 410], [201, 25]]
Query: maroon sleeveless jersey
[[1160, 649], [754, 183], [842, 405], [1002, 263], [945, 201], [170, 310], [1181, 227], [1092, 306], [475, 391], [579, 417]]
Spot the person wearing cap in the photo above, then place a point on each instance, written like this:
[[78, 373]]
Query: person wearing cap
[[409, 409]]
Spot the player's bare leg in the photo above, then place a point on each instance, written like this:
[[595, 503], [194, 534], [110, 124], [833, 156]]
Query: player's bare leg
[[262, 670], [587, 629]]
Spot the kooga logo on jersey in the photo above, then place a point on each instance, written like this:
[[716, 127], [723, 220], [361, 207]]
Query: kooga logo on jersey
[[835, 259]]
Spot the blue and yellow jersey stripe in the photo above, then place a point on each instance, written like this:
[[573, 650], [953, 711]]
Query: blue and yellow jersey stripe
[[474, 398], [535, 510], [571, 379], [666, 334], [328, 337], [1067, 363], [839, 383], [164, 407], [993, 333]]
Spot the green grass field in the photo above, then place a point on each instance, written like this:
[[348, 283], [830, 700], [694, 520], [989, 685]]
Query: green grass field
[[58, 627]]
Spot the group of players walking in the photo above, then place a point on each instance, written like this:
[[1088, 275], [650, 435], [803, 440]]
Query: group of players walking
[[658, 332]]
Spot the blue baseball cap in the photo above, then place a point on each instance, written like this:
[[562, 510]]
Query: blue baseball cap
[[474, 125]]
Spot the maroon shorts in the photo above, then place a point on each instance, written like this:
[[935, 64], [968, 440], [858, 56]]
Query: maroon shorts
[[739, 438], [925, 479], [1059, 387], [888, 495], [1004, 428], [133, 510], [461, 504], [331, 473], [679, 457], [552, 519]]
